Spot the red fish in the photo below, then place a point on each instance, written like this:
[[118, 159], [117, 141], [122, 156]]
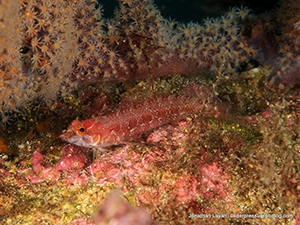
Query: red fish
[[124, 125]]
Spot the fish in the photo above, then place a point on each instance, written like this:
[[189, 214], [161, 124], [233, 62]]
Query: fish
[[124, 125]]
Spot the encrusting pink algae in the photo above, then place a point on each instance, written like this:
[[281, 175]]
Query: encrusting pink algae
[[167, 123]]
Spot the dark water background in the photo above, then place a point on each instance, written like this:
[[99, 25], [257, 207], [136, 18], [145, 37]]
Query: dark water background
[[197, 10]]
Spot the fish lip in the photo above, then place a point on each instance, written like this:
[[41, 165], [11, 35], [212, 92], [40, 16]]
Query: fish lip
[[65, 135]]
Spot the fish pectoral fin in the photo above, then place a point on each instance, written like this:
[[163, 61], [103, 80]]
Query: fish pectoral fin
[[116, 147], [101, 149]]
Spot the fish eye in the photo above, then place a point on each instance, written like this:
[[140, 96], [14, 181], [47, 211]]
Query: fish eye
[[81, 131]]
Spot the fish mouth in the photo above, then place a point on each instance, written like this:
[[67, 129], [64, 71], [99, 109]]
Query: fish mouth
[[65, 135], [69, 137]]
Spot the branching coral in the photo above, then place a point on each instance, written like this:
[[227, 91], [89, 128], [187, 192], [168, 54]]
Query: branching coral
[[57, 46]]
